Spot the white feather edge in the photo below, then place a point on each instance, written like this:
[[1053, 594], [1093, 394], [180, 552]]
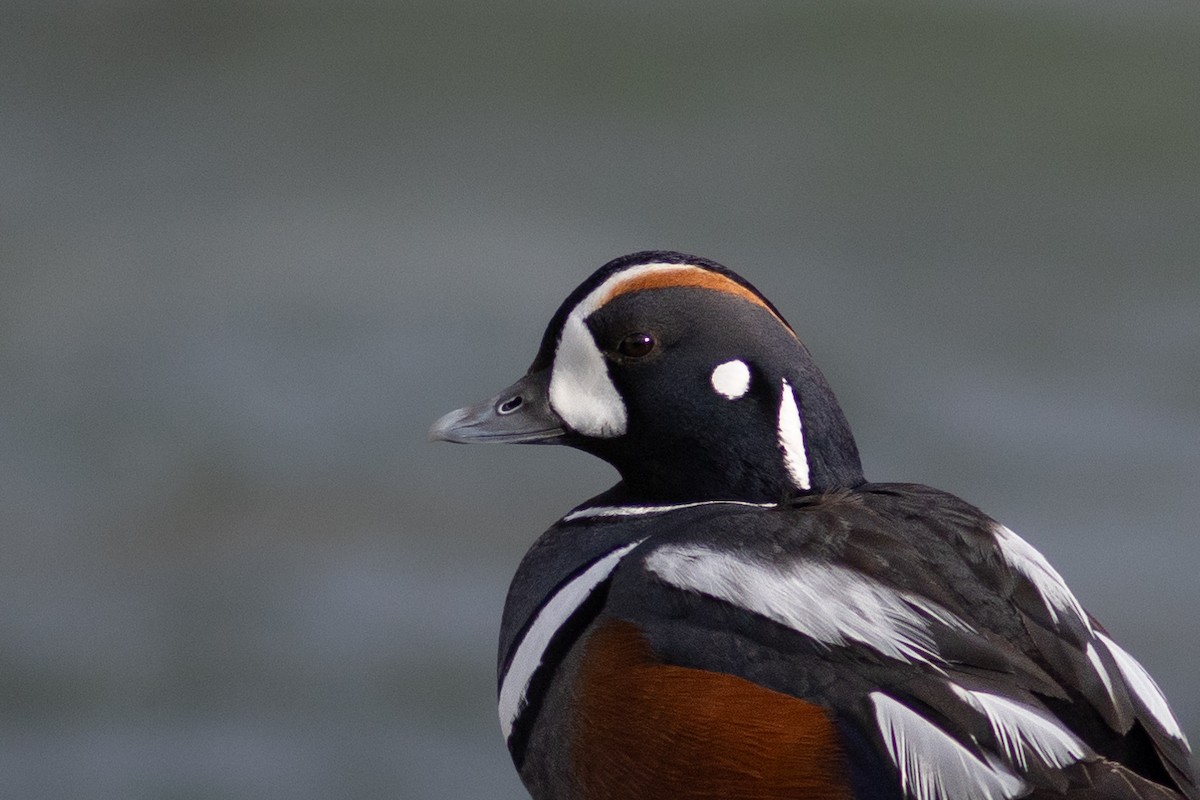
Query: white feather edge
[[1093, 657], [1059, 600], [1025, 559], [1023, 730], [551, 616], [831, 604], [1144, 688], [932, 765]]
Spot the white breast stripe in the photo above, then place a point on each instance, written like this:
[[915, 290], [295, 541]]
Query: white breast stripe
[[637, 511], [531, 649], [932, 765], [791, 437], [828, 603], [1023, 730], [1143, 687], [731, 380], [1021, 556]]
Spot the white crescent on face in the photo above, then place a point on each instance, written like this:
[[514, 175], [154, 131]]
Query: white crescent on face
[[581, 390]]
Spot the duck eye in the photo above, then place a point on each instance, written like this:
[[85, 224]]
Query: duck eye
[[510, 405], [636, 345]]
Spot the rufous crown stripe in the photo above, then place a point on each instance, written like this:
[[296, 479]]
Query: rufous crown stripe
[[685, 276]]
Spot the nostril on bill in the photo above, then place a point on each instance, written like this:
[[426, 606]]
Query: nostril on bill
[[510, 405]]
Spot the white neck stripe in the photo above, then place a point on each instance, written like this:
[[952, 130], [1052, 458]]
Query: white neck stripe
[[637, 511], [791, 438]]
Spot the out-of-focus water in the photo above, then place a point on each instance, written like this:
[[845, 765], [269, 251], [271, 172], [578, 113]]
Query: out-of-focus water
[[251, 249]]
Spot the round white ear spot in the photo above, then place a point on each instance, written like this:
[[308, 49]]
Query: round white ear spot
[[731, 379]]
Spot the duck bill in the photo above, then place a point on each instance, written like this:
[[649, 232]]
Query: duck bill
[[520, 414]]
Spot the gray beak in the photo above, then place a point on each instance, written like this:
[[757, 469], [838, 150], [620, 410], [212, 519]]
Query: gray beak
[[519, 414]]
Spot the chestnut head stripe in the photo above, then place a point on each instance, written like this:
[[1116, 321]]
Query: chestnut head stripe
[[663, 276]]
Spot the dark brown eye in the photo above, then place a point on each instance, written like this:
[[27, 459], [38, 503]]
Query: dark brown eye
[[636, 345]]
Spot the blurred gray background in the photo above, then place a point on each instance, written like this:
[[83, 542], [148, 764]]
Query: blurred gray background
[[251, 249]]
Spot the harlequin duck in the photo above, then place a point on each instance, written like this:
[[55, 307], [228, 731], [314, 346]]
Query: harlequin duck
[[745, 616]]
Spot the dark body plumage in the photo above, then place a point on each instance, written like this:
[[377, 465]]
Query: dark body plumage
[[745, 616]]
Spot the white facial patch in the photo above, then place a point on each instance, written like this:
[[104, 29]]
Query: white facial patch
[[791, 438], [532, 648], [731, 380], [828, 603], [581, 391]]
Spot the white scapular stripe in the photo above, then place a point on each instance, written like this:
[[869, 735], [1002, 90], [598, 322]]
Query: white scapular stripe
[[828, 603], [731, 380], [791, 437], [581, 391], [932, 765], [637, 511], [532, 648], [1144, 688], [1024, 730], [1021, 556]]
